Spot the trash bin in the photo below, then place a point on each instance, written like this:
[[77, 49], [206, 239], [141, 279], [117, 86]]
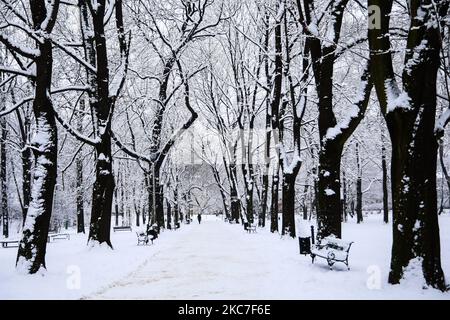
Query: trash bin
[[305, 245]]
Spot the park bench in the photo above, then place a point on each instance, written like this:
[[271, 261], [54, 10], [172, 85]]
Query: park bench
[[9, 243], [249, 227], [58, 236], [333, 250], [156, 228], [143, 238], [53, 230], [122, 228]]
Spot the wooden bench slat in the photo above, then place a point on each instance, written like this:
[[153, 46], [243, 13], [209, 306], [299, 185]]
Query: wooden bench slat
[[122, 228], [333, 250], [6, 243]]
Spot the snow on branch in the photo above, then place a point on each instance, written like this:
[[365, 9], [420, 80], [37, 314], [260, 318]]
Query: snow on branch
[[442, 121], [13, 10], [16, 106], [356, 111], [69, 88], [74, 56], [19, 48], [52, 12], [25, 73], [76, 133], [395, 98], [128, 151], [178, 133]]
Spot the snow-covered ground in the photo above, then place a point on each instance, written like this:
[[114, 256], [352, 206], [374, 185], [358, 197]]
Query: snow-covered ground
[[216, 260]]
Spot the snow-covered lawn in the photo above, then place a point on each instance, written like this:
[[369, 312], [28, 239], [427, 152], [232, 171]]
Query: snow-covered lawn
[[216, 260]]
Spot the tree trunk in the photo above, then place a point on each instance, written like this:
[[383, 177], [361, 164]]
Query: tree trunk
[[268, 124], [414, 142], [234, 195], [79, 176], [385, 184], [274, 202], [33, 245], [221, 190], [344, 197], [4, 176], [329, 198], [288, 226], [177, 201], [80, 200], [121, 187], [136, 206], [102, 194], [359, 213], [26, 180], [159, 210], [116, 207], [169, 215], [413, 174], [444, 169], [264, 196]]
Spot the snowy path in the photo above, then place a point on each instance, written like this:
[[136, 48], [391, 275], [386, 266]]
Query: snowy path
[[216, 260], [211, 261]]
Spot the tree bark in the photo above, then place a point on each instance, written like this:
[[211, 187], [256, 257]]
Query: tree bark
[[4, 175], [323, 55], [274, 202], [414, 143], [444, 169], [359, 213], [169, 215], [33, 245], [268, 124], [328, 195], [79, 177], [235, 202], [344, 197], [289, 204], [102, 103], [102, 194], [385, 183]]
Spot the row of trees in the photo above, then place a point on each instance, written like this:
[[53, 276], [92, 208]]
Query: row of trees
[[280, 98]]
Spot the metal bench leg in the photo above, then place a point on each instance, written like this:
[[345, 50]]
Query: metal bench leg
[[330, 264]]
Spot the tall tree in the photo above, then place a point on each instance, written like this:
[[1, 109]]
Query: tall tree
[[3, 167], [103, 94], [332, 134], [409, 109], [359, 212], [32, 247], [384, 180], [79, 175]]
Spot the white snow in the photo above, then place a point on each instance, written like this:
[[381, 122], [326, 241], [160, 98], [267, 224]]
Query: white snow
[[217, 260], [352, 113], [395, 97], [329, 192]]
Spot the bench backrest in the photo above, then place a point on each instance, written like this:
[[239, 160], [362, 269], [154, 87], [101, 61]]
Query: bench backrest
[[336, 244]]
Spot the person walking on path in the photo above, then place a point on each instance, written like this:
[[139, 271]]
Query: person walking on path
[[199, 217]]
